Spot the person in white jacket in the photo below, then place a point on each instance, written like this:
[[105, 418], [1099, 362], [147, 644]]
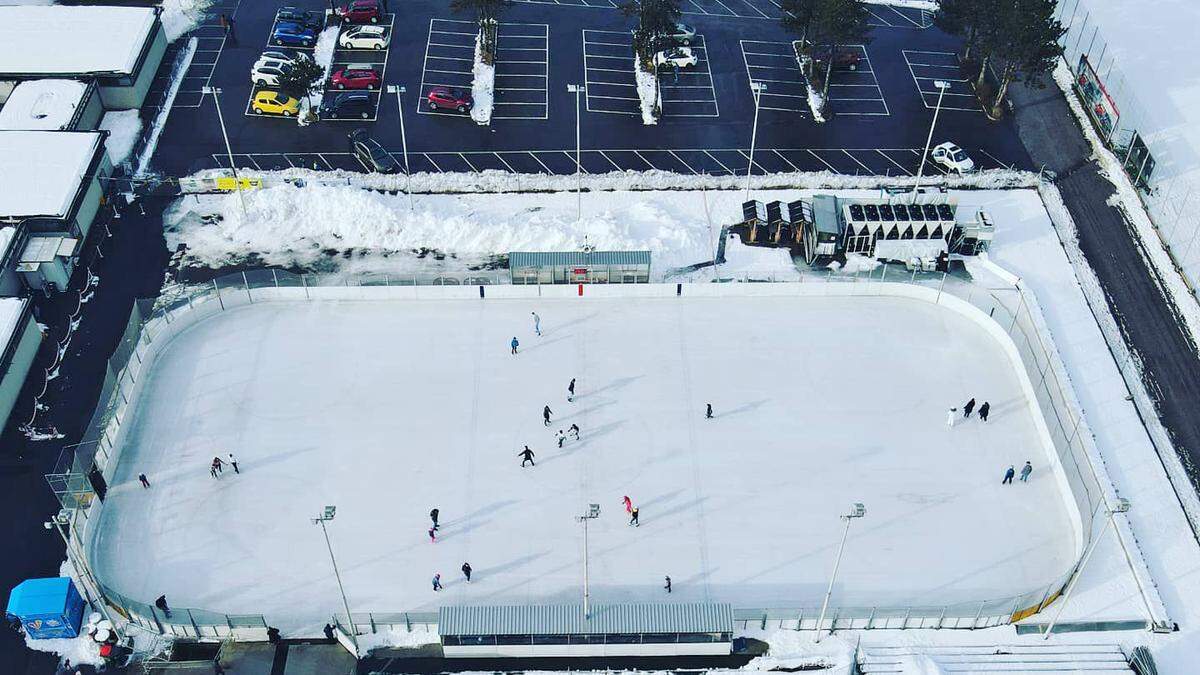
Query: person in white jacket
[[950, 417]]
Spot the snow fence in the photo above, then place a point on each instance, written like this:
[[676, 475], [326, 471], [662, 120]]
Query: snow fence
[[1011, 316]]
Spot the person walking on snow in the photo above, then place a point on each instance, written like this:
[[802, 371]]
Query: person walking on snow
[[526, 456], [571, 391], [633, 519], [161, 603], [437, 582], [546, 413], [233, 463], [574, 430], [984, 410], [708, 411], [1008, 476], [1025, 471], [950, 417], [142, 479], [668, 586], [537, 324], [628, 504], [466, 569], [968, 408], [515, 344], [561, 437], [433, 535], [433, 515]]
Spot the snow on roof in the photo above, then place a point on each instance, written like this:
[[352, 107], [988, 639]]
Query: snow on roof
[[7, 234], [72, 40], [10, 315], [41, 170], [42, 105]]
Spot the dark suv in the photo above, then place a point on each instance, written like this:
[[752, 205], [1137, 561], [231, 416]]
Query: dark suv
[[370, 153], [349, 104], [312, 20]]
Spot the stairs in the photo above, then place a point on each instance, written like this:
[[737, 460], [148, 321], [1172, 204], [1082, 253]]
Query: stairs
[[1020, 659]]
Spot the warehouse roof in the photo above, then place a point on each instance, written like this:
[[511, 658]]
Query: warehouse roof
[[73, 40], [42, 105], [697, 617], [42, 171], [577, 258]]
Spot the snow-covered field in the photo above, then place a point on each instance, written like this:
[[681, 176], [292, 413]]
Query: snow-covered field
[[389, 408]]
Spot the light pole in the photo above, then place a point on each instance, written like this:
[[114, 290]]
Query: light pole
[[593, 512], [576, 89], [758, 88], [857, 510], [75, 556], [1121, 506], [237, 183], [942, 86], [326, 516], [397, 90]]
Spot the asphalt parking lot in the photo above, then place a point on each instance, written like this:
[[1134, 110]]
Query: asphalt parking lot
[[879, 111]]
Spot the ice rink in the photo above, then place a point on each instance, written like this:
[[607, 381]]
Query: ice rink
[[388, 409]]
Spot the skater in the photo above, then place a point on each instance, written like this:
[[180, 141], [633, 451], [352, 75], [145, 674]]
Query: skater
[[546, 413], [433, 515], [329, 632], [218, 465], [437, 582], [466, 569], [571, 391], [968, 408], [984, 410], [537, 324], [668, 586], [633, 519], [950, 415], [574, 430], [161, 603], [212, 469], [433, 535], [628, 504], [527, 456], [233, 463], [1025, 471], [1008, 476], [142, 478], [515, 344], [561, 437], [708, 411]]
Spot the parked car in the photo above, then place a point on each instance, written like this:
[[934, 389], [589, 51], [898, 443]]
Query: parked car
[[286, 55], [357, 76], [953, 158], [293, 35], [360, 11], [847, 59], [370, 153], [349, 104], [266, 72], [682, 35], [312, 20], [675, 57], [270, 102], [364, 37], [449, 97]]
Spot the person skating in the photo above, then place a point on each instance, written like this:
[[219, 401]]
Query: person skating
[[984, 410], [437, 582], [526, 456], [433, 515], [633, 517], [561, 437], [515, 343], [668, 586], [218, 465], [574, 430], [1025, 471], [537, 323], [708, 411], [329, 631], [233, 463], [433, 535], [968, 408], [466, 570], [628, 504], [1008, 476], [950, 415], [546, 413], [571, 391], [161, 603], [142, 478]]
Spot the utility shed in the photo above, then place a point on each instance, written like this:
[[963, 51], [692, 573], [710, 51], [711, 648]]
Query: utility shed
[[571, 267], [52, 105], [666, 629], [47, 608]]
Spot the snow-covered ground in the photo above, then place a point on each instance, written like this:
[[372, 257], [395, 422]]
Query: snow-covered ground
[[647, 88], [483, 82], [181, 16], [123, 127]]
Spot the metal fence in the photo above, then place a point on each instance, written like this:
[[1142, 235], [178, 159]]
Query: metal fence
[[1012, 310]]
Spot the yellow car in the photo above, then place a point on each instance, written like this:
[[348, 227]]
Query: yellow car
[[275, 103]]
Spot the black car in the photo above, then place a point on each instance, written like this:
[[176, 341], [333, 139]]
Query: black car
[[349, 104], [313, 20], [370, 153]]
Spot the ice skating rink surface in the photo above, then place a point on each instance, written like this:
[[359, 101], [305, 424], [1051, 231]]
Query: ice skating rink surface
[[388, 409]]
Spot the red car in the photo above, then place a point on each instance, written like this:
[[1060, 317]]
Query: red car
[[361, 11], [447, 97], [356, 76]]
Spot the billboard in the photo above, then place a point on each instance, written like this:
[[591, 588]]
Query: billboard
[[1096, 101]]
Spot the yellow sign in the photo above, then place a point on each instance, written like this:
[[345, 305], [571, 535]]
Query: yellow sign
[[229, 184]]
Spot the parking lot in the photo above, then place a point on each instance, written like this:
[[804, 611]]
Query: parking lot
[[884, 16], [854, 90], [611, 86], [774, 65], [929, 67]]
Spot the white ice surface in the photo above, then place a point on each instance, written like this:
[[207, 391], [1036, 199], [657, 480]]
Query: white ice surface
[[388, 409], [42, 105], [41, 171], [67, 40]]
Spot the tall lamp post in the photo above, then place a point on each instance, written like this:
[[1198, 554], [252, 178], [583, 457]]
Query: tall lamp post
[[857, 510], [1121, 506], [397, 90], [757, 88], [237, 183], [942, 86], [325, 517], [593, 512], [576, 89]]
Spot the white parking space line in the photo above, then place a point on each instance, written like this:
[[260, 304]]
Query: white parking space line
[[742, 9], [449, 60], [898, 164], [856, 91], [609, 83], [377, 58], [683, 92], [928, 67], [774, 64], [522, 71]]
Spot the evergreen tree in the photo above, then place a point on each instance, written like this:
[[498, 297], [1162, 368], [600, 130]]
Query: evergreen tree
[[302, 78], [484, 10], [656, 19], [1025, 42], [968, 19]]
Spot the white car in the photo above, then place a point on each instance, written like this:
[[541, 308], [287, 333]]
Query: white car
[[365, 36], [676, 57], [266, 72], [953, 158]]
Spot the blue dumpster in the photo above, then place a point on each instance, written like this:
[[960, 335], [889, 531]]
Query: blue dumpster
[[47, 608]]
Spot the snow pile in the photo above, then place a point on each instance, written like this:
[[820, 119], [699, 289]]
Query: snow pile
[[647, 86], [482, 86], [855, 264], [180, 16], [182, 62], [123, 127], [392, 636], [816, 100], [919, 664], [81, 650], [795, 650], [323, 56]]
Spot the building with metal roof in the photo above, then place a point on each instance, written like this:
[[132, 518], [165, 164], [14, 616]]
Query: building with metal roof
[[661, 629], [571, 267]]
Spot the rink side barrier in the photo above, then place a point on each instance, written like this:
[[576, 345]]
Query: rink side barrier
[[1010, 315]]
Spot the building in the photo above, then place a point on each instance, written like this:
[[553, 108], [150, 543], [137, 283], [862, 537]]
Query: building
[[118, 47], [54, 187], [572, 267], [670, 629], [52, 105], [20, 338]]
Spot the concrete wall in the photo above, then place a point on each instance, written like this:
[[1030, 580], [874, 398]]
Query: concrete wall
[[13, 372], [91, 199]]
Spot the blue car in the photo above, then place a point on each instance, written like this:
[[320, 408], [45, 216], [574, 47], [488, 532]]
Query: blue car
[[293, 35]]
